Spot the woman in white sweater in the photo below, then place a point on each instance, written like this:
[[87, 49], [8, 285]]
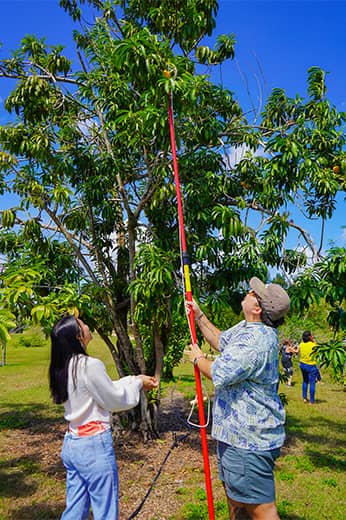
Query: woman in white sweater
[[82, 385]]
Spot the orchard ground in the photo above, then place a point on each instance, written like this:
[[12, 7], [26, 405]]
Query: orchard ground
[[310, 475]]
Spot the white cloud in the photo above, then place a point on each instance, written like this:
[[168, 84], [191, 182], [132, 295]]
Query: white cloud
[[237, 153]]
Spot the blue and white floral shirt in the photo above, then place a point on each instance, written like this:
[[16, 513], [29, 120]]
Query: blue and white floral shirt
[[247, 412]]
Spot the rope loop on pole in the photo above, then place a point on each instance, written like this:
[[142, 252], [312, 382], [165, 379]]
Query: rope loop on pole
[[193, 403]]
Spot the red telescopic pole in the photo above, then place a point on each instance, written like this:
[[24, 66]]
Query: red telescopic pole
[[191, 318]]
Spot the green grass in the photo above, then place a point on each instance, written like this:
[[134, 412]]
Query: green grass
[[310, 474]]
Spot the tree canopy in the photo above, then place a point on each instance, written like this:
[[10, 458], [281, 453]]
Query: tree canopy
[[87, 152]]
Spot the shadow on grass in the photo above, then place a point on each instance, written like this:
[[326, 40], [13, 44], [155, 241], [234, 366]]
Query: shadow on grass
[[325, 448], [329, 431], [13, 475], [37, 511], [289, 516], [173, 428], [21, 416], [174, 415], [322, 460]]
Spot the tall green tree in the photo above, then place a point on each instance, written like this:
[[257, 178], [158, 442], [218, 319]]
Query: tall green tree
[[88, 154]]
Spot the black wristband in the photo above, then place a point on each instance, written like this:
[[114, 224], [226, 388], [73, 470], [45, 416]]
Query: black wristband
[[195, 361]]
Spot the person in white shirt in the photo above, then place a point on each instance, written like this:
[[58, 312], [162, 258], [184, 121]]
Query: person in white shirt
[[82, 385]]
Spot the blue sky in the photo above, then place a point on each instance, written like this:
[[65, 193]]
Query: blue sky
[[277, 41]]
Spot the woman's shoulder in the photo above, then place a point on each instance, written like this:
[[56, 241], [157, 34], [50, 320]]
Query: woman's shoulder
[[94, 362], [90, 364]]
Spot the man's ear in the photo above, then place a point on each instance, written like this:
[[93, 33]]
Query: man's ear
[[258, 310]]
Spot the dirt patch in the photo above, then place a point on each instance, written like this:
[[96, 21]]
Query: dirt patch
[[166, 471], [176, 455]]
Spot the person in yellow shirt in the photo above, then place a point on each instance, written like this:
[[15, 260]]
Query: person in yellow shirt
[[308, 366]]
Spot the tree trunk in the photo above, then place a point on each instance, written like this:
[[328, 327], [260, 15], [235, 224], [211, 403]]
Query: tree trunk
[[159, 352], [131, 229], [148, 415], [144, 416], [3, 354], [114, 352], [125, 347]]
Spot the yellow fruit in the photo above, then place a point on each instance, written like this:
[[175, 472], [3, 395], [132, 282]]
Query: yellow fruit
[[336, 169], [166, 73]]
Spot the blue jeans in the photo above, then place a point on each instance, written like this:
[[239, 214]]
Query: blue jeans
[[91, 478], [309, 373]]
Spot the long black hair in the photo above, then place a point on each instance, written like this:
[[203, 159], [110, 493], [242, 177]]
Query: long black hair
[[65, 344]]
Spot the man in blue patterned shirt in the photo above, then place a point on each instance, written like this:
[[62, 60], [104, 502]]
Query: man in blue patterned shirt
[[248, 416]]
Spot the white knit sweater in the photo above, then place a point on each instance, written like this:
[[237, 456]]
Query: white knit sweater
[[95, 394]]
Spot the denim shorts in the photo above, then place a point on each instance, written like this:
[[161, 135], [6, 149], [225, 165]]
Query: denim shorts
[[248, 476]]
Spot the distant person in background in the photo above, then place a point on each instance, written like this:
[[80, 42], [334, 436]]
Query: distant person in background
[[81, 383], [308, 366], [288, 349]]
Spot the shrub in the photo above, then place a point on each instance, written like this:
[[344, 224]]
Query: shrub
[[31, 341]]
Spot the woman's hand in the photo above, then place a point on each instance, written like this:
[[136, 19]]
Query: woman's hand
[[195, 352], [149, 382]]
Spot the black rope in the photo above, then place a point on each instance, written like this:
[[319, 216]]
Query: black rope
[[173, 445]]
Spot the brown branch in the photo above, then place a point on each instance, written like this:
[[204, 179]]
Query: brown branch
[[71, 240], [47, 76]]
